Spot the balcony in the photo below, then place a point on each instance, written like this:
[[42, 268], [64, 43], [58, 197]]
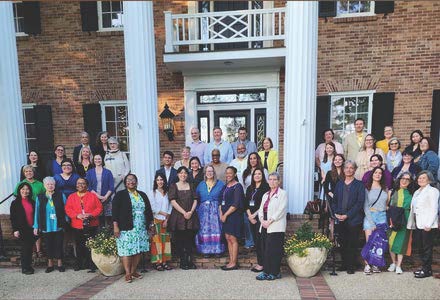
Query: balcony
[[227, 39]]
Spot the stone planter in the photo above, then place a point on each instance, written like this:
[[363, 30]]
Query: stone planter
[[108, 265], [308, 265]]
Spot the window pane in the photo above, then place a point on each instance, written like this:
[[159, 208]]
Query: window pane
[[122, 129], [354, 6], [349, 121], [342, 7], [116, 6], [232, 97], [20, 23], [106, 20], [109, 113], [362, 106], [261, 129], [121, 113], [365, 6], [116, 19], [204, 135], [111, 128], [350, 105], [105, 6], [230, 125], [123, 143]]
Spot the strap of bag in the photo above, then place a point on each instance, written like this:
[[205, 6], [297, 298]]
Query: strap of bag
[[376, 199]]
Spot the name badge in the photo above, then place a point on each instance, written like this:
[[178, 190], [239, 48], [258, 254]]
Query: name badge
[[223, 202], [139, 212], [53, 216], [252, 203]]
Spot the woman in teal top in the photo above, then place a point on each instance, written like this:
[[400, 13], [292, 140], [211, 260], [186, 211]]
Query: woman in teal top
[[50, 220]]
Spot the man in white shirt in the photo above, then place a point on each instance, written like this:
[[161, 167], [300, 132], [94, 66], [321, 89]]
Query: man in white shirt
[[226, 153], [242, 139], [197, 146], [240, 162], [167, 168]]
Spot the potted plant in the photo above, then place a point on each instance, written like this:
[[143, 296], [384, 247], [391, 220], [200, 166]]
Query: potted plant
[[306, 251], [105, 253]]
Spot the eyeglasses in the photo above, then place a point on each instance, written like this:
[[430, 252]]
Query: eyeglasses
[[61, 150]]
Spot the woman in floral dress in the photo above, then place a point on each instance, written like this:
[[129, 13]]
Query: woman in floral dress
[[132, 216]]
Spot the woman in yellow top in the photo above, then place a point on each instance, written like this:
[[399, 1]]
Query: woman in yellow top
[[269, 156], [388, 133]]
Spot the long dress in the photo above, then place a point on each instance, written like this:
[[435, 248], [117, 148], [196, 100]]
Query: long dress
[[233, 196], [161, 241], [209, 237], [400, 241], [135, 241]]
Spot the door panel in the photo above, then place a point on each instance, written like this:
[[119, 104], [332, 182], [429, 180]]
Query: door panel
[[230, 121]]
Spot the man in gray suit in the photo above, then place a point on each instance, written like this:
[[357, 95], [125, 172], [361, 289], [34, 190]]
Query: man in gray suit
[[354, 141]]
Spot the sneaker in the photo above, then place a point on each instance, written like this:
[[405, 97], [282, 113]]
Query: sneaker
[[392, 268], [376, 269], [399, 270], [367, 270], [262, 276]]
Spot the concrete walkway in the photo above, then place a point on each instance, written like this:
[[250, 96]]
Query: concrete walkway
[[385, 285], [202, 284]]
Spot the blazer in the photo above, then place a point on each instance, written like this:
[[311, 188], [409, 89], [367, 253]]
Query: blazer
[[424, 209], [18, 217], [173, 175], [122, 210], [355, 205], [351, 145], [277, 211], [107, 181], [272, 160]]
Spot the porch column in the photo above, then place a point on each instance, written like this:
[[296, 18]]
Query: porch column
[[140, 64], [300, 101], [13, 154]]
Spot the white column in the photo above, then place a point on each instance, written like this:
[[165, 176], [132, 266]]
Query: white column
[[301, 31], [140, 64], [13, 154]]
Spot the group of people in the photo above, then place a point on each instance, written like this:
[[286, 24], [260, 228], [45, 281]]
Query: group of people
[[363, 179], [216, 194]]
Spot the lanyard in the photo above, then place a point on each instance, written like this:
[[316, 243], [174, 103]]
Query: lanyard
[[135, 196], [81, 202], [270, 196]]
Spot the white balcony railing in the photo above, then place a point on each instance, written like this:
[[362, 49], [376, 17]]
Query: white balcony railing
[[256, 26]]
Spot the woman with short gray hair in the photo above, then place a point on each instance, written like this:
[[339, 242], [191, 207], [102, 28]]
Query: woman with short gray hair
[[117, 162], [424, 219]]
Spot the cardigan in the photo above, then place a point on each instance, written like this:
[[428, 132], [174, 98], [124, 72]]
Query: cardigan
[[92, 205], [272, 160], [424, 208], [107, 181], [40, 221], [122, 211], [355, 205], [429, 161], [277, 211], [18, 216]]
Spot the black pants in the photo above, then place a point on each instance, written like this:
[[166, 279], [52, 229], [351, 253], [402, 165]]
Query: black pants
[[83, 255], [426, 242], [184, 240], [27, 241], [273, 251], [2, 248], [255, 229], [349, 241], [54, 244]]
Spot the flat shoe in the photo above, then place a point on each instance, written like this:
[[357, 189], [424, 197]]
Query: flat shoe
[[230, 268], [49, 269], [128, 279], [136, 275], [256, 270]]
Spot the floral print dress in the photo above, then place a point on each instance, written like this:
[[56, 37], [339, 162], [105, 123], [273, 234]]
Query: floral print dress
[[135, 241]]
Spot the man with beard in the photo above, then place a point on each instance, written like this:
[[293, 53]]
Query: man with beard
[[240, 162], [242, 139]]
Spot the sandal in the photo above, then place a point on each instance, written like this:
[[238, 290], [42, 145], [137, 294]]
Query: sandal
[[136, 275], [167, 267], [128, 278], [159, 267]]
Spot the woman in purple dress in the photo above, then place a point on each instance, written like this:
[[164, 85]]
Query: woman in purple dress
[[208, 239]]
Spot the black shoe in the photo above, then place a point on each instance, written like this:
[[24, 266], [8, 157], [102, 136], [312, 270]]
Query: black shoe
[[76, 268], [91, 271], [61, 269], [225, 268], [350, 271], [417, 272], [341, 268], [28, 271], [423, 274], [49, 269]]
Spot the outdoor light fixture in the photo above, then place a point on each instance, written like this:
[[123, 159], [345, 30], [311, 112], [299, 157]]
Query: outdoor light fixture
[[167, 118]]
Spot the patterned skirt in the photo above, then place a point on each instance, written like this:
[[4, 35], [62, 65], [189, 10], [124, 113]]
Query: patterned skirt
[[209, 236], [132, 242], [160, 244]]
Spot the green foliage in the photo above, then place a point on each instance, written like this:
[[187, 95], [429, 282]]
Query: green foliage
[[305, 238], [103, 243]]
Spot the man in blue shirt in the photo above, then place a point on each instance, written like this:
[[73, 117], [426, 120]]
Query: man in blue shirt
[[226, 152], [242, 139]]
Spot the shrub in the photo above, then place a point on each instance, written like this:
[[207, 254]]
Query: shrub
[[103, 243], [305, 238]]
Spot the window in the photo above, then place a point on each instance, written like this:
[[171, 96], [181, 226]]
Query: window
[[110, 15], [231, 97], [346, 107], [18, 18], [355, 8], [30, 128], [115, 121]]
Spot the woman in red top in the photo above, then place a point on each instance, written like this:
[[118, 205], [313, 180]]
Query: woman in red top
[[83, 208], [22, 220]]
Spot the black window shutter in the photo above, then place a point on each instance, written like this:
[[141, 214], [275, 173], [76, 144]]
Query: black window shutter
[[44, 127], [327, 9], [89, 15], [383, 112], [383, 7], [92, 120], [435, 117], [322, 117], [31, 17]]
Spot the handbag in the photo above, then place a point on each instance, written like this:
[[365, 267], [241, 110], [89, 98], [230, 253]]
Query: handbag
[[396, 218]]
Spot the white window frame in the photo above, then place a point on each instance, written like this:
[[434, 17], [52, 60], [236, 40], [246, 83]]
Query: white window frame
[[365, 93], [113, 103], [362, 14], [17, 33], [100, 27], [24, 107]]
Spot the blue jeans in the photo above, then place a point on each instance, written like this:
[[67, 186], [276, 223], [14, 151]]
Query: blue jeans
[[249, 240]]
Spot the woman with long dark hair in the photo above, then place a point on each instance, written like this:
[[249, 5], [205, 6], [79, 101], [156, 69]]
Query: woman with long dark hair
[[414, 146], [428, 160], [35, 162], [101, 146], [195, 172], [254, 161]]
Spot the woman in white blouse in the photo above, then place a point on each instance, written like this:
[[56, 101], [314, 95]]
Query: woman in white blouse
[[272, 216], [424, 218], [161, 242]]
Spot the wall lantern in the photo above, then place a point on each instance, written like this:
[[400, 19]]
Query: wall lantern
[[167, 118]]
